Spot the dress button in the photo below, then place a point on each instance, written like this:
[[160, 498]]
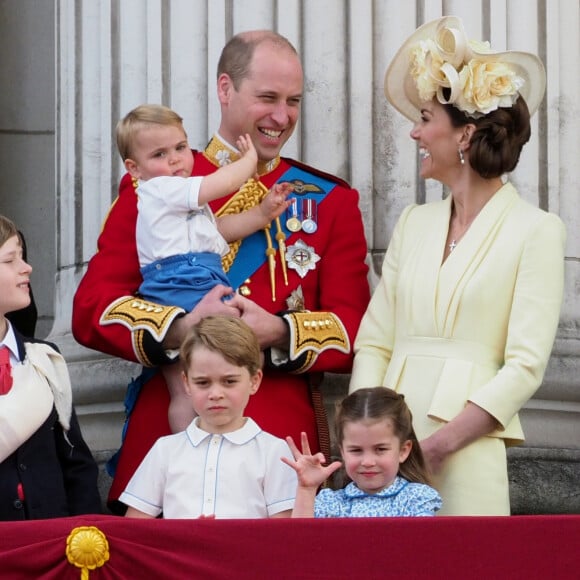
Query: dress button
[[22, 467], [17, 504]]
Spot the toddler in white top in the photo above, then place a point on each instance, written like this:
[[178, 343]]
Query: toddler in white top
[[180, 244]]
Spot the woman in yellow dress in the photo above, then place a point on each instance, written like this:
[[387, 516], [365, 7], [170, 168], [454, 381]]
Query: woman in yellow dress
[[464, 317]]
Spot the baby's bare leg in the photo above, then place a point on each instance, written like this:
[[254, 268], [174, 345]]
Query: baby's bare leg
[[180, 412]]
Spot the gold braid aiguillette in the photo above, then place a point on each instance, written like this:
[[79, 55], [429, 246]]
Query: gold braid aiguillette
[[250, 195], [281, 238], [271, 254]]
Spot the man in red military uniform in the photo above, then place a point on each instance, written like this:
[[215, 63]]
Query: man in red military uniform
[[302, 283]]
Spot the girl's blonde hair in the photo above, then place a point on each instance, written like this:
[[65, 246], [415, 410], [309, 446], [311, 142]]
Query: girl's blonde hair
[[384, 404]]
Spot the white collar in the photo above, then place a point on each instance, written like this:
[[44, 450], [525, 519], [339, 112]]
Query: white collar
[[10, 342], [238, 437], [227, 144]]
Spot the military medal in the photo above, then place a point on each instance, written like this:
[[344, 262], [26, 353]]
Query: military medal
[[302, 258], [309, 223], [293, 222]]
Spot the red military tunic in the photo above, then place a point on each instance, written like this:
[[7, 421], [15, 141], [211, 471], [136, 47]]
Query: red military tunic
[[107, 318]]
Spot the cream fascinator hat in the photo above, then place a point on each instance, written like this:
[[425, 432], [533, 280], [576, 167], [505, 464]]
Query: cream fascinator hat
[[438, 55]]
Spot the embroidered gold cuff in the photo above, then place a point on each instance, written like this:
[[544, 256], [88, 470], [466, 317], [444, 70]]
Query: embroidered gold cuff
[[137, 314], [311, 333]]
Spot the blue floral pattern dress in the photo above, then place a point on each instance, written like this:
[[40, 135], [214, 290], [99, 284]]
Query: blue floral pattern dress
[[401, 498]]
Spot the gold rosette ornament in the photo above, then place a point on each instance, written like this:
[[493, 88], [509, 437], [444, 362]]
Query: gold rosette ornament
[[87, 548]]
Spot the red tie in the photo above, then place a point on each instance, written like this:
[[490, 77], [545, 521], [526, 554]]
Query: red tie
[[5, 370]]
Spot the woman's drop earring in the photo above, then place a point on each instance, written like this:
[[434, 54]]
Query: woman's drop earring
[[461, 157]]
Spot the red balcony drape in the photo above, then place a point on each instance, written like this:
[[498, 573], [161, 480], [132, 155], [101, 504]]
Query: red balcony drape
[[514, 547]]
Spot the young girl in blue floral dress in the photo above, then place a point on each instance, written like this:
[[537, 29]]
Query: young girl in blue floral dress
[[382, 458]]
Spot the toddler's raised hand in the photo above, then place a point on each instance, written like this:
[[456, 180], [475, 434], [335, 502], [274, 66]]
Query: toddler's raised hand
[[276, 201], [247, 149]]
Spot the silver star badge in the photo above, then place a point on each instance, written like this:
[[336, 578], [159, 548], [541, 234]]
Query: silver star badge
[[302, 258]]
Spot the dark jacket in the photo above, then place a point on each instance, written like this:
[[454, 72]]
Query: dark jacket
[[46, 477]]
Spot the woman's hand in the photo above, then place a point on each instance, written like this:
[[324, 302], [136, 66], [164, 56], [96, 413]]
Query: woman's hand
[[471, 424], [435, 451]]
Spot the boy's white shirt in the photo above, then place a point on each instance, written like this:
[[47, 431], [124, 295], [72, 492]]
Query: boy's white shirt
[[170, 220], [232, 475]]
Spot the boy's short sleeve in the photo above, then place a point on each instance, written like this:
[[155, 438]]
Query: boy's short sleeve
[[280, 481], [146, 488]]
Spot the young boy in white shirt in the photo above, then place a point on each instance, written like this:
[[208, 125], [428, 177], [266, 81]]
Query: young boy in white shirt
[[46, 468], [223, 465]]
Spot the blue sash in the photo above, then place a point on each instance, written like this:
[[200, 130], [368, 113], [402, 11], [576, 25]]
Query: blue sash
[[252, 252]]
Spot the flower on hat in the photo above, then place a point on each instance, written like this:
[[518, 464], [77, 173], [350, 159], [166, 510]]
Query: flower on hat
[[487, 86], [426, 63], [477, 84]]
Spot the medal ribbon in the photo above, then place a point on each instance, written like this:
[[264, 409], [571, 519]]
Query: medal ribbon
[[252, 252]]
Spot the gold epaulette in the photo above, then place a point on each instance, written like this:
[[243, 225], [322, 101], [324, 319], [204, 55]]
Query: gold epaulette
[[137, 314], [311, 333]]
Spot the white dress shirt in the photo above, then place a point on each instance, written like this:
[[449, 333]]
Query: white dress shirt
[[232, 475]]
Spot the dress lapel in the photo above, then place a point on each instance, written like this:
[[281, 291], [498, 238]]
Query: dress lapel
[[456, 272]]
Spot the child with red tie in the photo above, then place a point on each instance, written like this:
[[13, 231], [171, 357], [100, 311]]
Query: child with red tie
[[46, 468]]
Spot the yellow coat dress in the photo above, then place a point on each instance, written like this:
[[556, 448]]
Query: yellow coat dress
[[478, 327]]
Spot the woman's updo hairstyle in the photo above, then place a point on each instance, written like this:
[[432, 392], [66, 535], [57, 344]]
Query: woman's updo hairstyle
[[498, 139]]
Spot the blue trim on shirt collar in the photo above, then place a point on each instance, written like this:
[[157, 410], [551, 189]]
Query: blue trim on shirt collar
[[239, 437], [353, 491]]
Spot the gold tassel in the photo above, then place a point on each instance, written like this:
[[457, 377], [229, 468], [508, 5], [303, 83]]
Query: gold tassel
[[250, 195], [271, 253], [281, 239]]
